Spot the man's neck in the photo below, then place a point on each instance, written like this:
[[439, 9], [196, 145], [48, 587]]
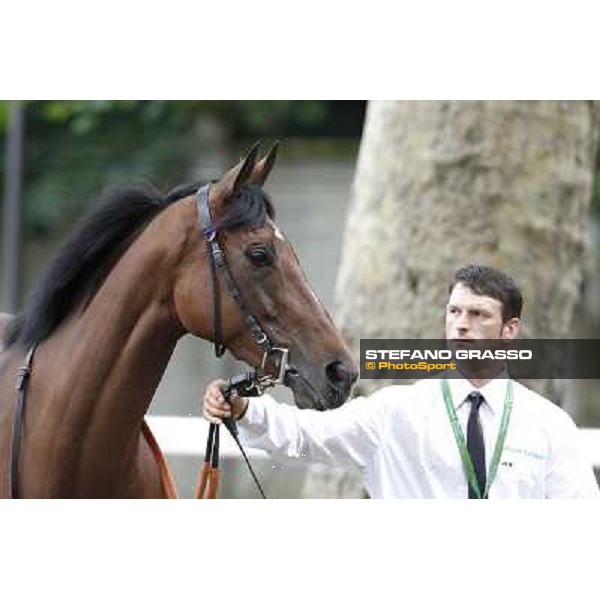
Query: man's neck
[[478, 383]]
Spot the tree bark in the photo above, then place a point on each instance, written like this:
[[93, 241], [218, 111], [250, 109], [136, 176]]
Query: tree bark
[[443, 184]]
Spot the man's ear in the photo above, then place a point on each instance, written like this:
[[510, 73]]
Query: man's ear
[[510, 328], [230, 183], [263, 167]]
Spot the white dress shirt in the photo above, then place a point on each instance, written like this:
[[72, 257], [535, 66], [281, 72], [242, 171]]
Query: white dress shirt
[[401, 440]]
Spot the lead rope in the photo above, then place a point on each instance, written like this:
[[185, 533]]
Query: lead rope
[[239, 445], [233, 430], [211, 474]]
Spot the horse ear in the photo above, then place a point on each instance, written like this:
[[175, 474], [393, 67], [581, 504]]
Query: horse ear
[[263, 167], [233, 180]]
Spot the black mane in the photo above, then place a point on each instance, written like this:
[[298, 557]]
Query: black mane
[[85, 260]]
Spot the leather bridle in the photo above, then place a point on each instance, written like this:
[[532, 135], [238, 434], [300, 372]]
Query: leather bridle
[[218, 263], [249, 384]]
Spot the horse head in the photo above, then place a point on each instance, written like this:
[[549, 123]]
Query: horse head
[[273, 289]]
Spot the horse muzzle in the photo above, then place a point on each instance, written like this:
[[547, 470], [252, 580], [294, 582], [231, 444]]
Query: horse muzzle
[[321, 389]]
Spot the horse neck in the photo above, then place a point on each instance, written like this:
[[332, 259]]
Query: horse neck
[[104, 364]]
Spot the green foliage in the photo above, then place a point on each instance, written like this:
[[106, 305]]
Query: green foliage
[[86, 116], [75, 148], [240, 117], [262, 116], [4, 104], [66, 170]]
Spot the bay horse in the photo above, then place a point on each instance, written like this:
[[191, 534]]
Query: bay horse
[[132, 279]]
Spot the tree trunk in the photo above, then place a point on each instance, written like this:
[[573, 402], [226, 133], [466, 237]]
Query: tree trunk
[[443, 184]]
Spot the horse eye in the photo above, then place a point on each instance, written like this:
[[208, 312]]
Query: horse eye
[[259, 256]]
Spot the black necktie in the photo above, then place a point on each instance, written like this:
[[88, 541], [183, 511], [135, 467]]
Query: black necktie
[[475, 443]]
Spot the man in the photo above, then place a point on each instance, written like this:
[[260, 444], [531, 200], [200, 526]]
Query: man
[[507, 441]]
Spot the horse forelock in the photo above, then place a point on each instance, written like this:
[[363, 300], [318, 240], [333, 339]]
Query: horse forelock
[[250, 207]]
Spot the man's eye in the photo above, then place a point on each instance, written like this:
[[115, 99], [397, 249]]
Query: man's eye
[[259, 256]]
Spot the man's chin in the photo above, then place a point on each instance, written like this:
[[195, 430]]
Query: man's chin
[[460, 344]]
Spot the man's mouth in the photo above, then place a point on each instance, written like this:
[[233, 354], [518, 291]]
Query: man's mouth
[[461, 343]]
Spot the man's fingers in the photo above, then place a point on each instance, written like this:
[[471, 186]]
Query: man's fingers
[[219, 412], [212, 419], [216, 387], [214, 395], [214, 415], [215, 407], [216, 403]]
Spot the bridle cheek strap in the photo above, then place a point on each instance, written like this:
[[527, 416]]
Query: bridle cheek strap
[[218, 264], [215, 256], [252, 383]]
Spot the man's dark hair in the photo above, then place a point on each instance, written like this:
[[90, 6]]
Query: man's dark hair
[[487, 281]]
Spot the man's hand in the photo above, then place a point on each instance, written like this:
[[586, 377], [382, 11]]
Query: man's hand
[[215, 406]]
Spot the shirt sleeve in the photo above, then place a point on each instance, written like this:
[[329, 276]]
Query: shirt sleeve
[[570, 473], [348, 435]]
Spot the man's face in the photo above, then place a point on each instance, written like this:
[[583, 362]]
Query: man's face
[[470, 316]]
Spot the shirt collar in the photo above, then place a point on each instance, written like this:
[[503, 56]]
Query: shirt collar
[[494, 391]]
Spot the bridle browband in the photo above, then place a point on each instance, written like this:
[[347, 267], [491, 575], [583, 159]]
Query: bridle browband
[[252, 383]]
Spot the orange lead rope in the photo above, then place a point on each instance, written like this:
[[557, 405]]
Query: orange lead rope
[[210, 476], [166, 477]]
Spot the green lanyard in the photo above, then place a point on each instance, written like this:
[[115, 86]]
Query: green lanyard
[[462, 445]]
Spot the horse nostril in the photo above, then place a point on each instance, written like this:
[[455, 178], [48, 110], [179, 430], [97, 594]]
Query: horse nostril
[[337, 372]]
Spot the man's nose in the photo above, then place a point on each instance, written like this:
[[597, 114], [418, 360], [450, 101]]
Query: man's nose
[[462, 323]]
